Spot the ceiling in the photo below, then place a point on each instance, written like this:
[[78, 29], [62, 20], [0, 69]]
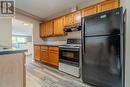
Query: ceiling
[[21, 28], [46, 9]]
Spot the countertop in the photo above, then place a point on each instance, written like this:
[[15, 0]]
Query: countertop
[[11, 51], [49, 44], [56, 43]]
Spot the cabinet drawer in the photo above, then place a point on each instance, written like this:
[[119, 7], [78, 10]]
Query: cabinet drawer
[[54, 49], [44, 47]]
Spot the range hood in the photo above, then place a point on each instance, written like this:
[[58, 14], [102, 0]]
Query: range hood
[[77, 27]]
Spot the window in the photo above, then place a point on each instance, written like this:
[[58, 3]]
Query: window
[[14, 39], [21, 40], [18, 39]]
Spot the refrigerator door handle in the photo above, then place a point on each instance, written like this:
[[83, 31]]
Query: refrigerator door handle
[[83, 35], [83, 47]]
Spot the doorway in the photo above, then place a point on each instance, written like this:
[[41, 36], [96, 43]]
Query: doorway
[[22, 37]]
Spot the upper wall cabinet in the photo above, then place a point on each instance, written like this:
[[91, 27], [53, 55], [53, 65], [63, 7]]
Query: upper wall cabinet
[[101, 7], [59, 26], [89, 10], [46, 29], [56, 26], [50, 28], [43, 30], [77, 17], [72, 19], [108, 5], [68, 20]]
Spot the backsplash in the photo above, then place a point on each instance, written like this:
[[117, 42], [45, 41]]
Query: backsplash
[[76, 34]]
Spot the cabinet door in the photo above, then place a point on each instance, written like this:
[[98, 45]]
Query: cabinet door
[[89, 10], [68, 20], [49, 28], [77, 17], [37, 52], [59, 26], [44, 54], [43, 30], [54, 56], [108, 5]]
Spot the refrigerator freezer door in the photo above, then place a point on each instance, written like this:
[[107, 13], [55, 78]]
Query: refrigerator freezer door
[[103, 23], [101, 63]]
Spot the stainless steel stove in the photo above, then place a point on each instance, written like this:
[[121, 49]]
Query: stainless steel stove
[[69, 57]]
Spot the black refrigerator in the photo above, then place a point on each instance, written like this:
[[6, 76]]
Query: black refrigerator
[[102, 48]]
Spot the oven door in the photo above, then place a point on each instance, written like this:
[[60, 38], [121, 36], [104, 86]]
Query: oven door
[[69, 56]]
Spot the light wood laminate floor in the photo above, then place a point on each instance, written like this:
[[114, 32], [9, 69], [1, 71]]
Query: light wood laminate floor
[[40, 75]]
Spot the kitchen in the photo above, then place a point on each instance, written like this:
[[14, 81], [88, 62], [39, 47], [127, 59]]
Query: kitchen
[[79, 45], [66, 55]]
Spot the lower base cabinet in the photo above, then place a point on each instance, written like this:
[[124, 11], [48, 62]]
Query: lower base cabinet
[[37, 52], [54, 56], [50, 55]]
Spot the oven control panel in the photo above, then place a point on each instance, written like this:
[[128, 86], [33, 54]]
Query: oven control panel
[[74, 41]]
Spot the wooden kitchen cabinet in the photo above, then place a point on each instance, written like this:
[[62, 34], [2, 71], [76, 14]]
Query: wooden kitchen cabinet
[[52, 28], [49, 28], [56, 26], [43, 30], [89, 10], [53, 58], [101, 7], [50, 55], [72, 19], [37, 52], [46, 29], [44, 54], [68, 20], [77, 17], [108, 5], [59, 26]]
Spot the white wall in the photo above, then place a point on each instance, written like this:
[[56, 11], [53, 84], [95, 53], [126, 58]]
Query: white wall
[[126, 3], [35, 36], [5, 32], [21, 28]]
